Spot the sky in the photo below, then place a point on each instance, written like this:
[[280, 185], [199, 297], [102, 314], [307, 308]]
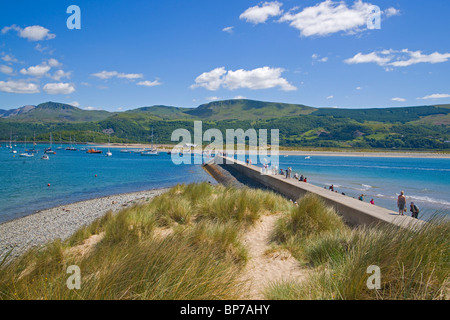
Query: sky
[[131, 54]]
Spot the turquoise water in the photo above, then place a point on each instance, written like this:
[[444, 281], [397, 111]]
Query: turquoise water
[[426, 182], [72, 177]]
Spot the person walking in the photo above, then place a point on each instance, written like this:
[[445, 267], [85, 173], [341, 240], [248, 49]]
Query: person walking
[[414, 210], [401, 203]]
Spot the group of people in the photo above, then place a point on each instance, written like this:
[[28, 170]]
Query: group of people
[[287, 173], [401, 204]]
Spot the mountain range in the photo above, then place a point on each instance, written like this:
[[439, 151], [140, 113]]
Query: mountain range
[[420, 127]]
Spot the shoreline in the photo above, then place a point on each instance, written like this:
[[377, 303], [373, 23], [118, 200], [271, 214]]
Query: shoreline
[[299, 152], [43, 226]]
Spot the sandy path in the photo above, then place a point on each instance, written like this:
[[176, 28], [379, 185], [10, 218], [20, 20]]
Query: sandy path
[[263, 268]]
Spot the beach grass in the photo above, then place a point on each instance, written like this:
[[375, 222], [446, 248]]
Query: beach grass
[[414, 265], [187, 244], [179, 246]]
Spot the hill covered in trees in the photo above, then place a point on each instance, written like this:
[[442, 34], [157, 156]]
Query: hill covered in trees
[[419, 128]]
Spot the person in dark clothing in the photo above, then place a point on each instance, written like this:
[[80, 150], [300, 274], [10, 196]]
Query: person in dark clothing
[[414, 210]]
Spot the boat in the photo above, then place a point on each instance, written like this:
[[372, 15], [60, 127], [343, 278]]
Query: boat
[[93, 150], [109, 153], [308, 158], [26, 154], [49, 150], [10, 142], [60, 144], [71, 148], [45, 157], [150, 152]]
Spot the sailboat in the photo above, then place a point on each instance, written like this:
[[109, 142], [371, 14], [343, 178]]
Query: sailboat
[[109, 153], [26, 154], [71, 148], [152, 152], [49, 150], [10, 142]]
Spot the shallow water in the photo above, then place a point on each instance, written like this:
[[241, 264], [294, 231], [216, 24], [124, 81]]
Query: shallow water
[[75, 176], [426, 182]]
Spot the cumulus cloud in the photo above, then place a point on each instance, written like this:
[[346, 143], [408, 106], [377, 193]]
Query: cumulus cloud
[[32, 33], [75, 104], [149, 83], [239, 98], [330, 97], [262, 12], [59, 88], [212, 98], [435, 96], [330, 17], [9, 58], [5, 69], [36, 71], [398, 99], [398, 58], [260, 78], [105, 75], [58, 75], [317, 58], [20, 86]]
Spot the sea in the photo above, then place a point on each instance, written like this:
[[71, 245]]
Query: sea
[[31, 184]]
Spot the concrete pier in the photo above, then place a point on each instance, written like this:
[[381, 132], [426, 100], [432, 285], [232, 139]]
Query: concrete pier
[[353, 211]]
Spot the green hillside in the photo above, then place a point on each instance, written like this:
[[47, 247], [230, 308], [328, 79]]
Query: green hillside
[[411, 128], [248, 110], [59, 112]]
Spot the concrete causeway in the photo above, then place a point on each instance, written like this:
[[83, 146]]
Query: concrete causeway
[[353, 211]]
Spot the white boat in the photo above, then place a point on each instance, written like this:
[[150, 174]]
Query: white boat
[[308, 157], [109, 153], [26, 154], [45, 157], [150, 152]]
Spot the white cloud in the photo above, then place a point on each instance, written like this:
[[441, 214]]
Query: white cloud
[[435, 96], [211, 80], [228, 29], [58, 75], [398, 99], [149, 83], [212, 98], [36, 71], [330, 97], [18, 87], [358, 88], [329, 17], [130, 76], [260, 13], [5, 69], [105, 74], [75, 104], [239, 98], [260, 78], [32, 33], [111, 74], [9, 58], [89, 108], [316, 57], [59, 88], [390, 12], [398, 58], [53, 63]]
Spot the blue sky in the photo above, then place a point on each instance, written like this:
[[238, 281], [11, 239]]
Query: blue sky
[[130, 54]]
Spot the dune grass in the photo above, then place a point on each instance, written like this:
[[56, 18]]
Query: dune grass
[[201, 258], [414, 265]]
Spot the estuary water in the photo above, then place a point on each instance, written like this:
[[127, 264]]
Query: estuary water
[[75, 176]]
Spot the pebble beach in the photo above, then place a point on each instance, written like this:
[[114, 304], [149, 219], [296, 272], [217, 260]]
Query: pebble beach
[[61, 222]]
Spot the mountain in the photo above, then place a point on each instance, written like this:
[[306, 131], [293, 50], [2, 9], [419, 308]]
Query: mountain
[[408, 128], [163, 112], [242, 109], [54, 112]]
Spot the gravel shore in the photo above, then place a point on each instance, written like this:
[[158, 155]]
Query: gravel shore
[[61, 222]]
